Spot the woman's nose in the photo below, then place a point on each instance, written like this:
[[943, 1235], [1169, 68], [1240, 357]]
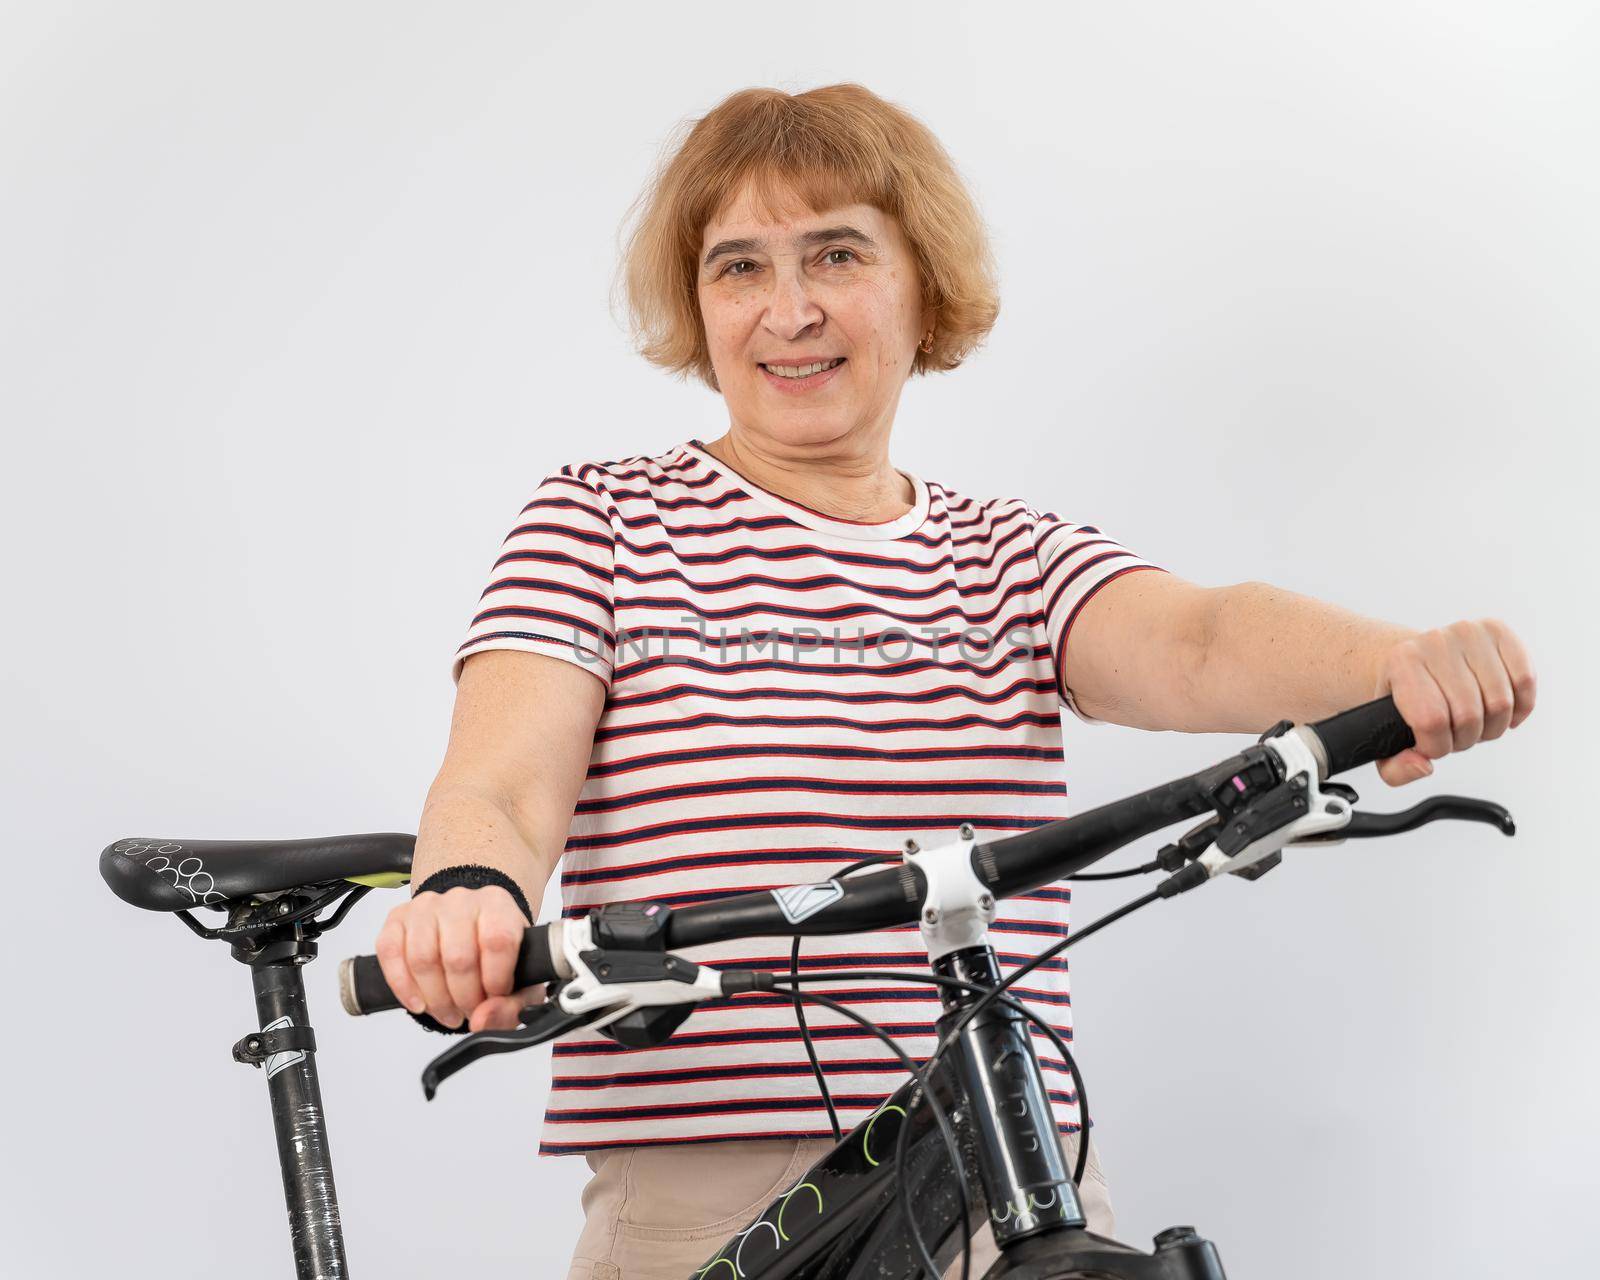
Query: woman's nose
[[791, 309]]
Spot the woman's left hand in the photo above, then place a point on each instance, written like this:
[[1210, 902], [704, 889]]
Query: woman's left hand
[[1456, 686]]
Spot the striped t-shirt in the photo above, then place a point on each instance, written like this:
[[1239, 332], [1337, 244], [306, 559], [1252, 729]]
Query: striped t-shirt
[[788, 693]]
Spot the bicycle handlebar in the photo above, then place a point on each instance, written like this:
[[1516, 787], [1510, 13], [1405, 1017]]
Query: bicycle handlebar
[[1007, 867]]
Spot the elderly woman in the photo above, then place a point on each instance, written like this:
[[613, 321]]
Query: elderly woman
[[754, 660]]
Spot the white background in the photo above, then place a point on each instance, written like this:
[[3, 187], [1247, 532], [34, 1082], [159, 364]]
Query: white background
[[300, 300]]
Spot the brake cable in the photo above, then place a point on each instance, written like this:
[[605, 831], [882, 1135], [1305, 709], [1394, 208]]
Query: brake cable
[[799, 1011]]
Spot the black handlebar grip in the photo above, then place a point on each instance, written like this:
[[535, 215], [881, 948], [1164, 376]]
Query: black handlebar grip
[[364, 989], [535, 962], [1372, 731]]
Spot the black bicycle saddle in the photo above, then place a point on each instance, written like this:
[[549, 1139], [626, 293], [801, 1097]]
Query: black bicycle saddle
[[174, 875]]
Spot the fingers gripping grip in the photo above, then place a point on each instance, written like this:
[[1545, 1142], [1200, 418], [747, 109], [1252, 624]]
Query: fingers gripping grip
[[363, 988], [1373, 731]]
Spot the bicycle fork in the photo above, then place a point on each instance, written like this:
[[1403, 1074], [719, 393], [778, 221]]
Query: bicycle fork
[[1020, 1162], [1034, 1209]]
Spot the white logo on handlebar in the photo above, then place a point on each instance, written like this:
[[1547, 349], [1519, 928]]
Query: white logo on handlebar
[[800, 901]]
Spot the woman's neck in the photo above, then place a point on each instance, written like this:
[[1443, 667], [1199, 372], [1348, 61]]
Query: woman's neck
[[847, 485]]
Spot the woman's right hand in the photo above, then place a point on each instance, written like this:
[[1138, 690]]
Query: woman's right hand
[[523, 727], [451, 955]]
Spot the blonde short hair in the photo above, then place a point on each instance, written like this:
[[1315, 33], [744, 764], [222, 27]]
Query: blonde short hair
[[837, 145]]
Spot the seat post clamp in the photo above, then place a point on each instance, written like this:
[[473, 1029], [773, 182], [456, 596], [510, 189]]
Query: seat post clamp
[[255, 1048]]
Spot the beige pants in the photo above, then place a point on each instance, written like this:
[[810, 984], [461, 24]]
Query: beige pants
[[657, 1212]]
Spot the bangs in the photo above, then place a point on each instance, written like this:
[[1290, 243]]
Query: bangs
[[782, 185]]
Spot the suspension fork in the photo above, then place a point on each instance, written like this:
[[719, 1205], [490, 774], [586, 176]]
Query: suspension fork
[[1020, 1161]]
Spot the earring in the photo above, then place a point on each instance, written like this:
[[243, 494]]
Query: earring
[[926, 344]]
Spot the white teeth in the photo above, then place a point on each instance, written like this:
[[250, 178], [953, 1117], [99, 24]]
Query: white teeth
[[804, 370]]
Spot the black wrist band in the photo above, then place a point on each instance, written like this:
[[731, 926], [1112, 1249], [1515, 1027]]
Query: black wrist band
[[474, 875], [469, 875]]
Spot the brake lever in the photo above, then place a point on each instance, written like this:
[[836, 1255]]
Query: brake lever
[[1433, 809], [549, 1021]]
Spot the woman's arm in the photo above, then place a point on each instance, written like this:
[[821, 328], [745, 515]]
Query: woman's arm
[[519, 749], [1156, 652], [520, 739]]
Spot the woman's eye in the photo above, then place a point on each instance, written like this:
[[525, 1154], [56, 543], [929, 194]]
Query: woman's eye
[[742, 262], [831, 252]]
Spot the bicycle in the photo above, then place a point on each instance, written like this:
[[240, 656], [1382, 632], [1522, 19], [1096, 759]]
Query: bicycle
[[860, 1211]]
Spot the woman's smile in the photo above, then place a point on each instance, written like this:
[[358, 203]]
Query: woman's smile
[[795, 378]]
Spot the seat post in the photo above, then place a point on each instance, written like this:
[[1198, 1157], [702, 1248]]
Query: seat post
[[285, 1048]]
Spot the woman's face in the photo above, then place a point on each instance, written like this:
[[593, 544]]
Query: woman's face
[[839, 288]]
